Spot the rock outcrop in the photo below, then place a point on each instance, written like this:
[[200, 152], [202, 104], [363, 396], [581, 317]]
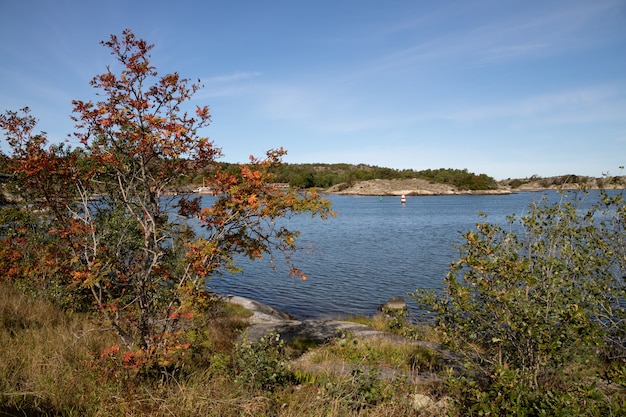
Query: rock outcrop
[[266, 320], [409, 187], [394, 306]]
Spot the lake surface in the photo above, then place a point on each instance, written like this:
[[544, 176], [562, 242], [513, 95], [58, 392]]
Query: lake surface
[[373, 250]]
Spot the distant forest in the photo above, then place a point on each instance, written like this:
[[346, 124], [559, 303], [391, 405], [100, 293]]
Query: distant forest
[[324, 176], [327, 175]]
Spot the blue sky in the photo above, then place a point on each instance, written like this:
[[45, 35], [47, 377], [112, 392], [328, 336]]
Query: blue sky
[[507, 88]]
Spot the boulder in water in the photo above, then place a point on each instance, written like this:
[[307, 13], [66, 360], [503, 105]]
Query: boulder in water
[[394, 306]]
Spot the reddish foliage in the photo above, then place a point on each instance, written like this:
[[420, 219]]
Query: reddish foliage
[[103, 207]]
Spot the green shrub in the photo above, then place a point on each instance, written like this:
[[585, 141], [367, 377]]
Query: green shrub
[[530, 305], [503, 395], [261, 364]]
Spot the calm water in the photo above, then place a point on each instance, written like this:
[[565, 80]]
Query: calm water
[[373, 250]]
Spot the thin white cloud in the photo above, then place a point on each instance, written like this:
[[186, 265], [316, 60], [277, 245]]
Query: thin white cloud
[[234, 77], [317, 107], [590, 99], [354, 125], [228, 85], [290, 102], [507, 52], [513, 37]]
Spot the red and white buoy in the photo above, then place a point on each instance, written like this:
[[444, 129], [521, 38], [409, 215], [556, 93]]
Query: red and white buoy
[[403, 199]]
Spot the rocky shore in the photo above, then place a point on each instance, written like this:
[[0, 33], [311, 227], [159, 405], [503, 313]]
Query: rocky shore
[[421, 187], [408, 187], [267, 320]]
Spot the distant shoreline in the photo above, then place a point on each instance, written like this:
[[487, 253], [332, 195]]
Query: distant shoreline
[[421, 187]]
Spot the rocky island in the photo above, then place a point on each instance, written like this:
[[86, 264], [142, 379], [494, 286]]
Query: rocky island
[[423, 187], [407, 186]]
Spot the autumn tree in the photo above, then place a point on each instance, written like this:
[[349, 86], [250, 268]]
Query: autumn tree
[[39, 179], [133, 248]]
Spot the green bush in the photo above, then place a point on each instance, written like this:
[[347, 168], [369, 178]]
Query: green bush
[[531, 304], [503, 395], [261, 364]]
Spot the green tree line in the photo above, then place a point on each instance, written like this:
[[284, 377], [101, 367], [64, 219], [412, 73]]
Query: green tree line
[[327, 175], [321, 175]]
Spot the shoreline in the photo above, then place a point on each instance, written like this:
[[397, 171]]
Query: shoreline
[[421, 188]]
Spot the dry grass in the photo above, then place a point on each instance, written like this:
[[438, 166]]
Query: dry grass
[[377, 352], [46, 357], [43, 355], [45, 370], [385, 323]]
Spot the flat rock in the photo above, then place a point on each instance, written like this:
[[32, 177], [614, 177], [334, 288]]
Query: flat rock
[[394, 304], [266, 320], [261, 313], [317, 330]]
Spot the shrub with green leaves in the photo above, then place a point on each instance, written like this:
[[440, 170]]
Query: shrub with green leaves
[[261, 364], [539, 297]]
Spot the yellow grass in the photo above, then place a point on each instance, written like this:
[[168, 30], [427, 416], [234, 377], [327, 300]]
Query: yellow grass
[[45, 369]]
